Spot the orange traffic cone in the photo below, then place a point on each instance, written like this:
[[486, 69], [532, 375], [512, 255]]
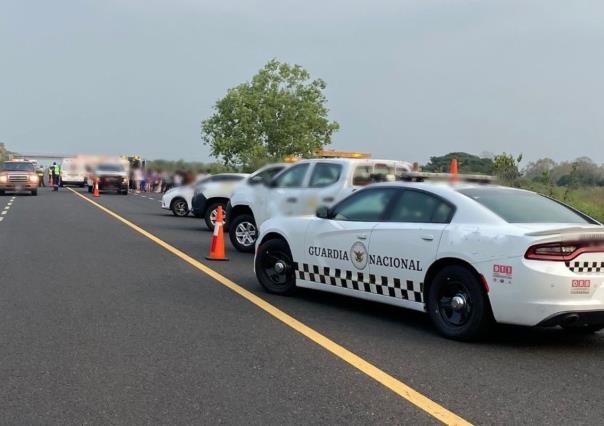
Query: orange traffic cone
[[453, 171], [217, 246], [96, 189]]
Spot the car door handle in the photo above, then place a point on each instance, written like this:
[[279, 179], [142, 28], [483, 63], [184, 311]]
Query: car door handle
[[292, 200], [362, 236], [427, 237], [328, 199]]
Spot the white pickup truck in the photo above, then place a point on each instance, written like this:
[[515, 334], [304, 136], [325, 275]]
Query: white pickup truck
[[299, 190]]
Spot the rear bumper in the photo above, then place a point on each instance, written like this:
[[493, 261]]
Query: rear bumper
[[574, 319], [73, 182], [543, 293]]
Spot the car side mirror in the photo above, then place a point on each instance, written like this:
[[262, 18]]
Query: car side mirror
[[324, 212]]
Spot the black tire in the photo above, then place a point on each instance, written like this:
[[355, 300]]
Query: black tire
[[209, 216], [269, 255], [2, 192], [179, 207], [242, 230], [34, 192], [472, 317], [124, 192]]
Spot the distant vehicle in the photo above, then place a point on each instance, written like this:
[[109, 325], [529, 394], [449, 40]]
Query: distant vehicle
[[112, 176], [213, 192], [466, 254], [18, 176], [179, 199], [299, 189], [73, 172]]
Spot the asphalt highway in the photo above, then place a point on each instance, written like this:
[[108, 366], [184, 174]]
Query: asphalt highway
[[99, 324]]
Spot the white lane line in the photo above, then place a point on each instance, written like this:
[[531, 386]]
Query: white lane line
[[4, 212]]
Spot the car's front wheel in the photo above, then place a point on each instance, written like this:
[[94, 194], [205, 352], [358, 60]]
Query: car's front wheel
[[243, 233], [211, 213], [458, 305], [275, 267], [179, 207]]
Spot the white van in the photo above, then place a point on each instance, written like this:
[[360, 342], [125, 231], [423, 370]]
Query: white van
[[73, 172]]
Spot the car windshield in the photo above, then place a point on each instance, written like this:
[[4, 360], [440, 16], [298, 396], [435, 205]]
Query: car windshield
[[516, 206], [110, 168], [17, 167]]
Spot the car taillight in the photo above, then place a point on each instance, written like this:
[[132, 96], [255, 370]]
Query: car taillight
[[563, 251]]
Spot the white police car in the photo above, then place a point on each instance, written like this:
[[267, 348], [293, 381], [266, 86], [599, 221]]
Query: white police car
[[467, 254]]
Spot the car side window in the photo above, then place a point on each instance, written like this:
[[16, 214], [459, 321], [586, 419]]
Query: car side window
[[325, 174], [420, 207], [292, 177], [364, 206]]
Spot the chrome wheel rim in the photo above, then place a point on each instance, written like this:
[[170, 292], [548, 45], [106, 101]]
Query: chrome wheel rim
[[180, 207], [213, 215], [245, 234]]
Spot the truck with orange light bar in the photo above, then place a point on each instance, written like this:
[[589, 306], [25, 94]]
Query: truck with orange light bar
[[300, 188]]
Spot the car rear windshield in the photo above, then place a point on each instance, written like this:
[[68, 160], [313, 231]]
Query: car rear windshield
[[17, 167], [516, 206]]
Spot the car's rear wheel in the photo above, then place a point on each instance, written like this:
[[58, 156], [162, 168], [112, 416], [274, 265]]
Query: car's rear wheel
[[243, 233], [212, 212], [34, 192], [179, 207], [275, 267], [458, 305]]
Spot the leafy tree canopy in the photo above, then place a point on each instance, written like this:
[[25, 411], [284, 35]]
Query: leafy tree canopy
[[280, 112], [467, 163]]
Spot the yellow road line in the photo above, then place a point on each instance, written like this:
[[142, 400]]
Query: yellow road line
[[395, 385]]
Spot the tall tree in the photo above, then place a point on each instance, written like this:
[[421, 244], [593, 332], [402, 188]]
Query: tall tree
[[280, 112], [505, 167], [468, 163]]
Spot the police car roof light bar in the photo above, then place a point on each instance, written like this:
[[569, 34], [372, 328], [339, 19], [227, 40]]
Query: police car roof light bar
[[422, 176]]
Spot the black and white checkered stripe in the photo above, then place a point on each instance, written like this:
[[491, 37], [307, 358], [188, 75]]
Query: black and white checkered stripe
[[370, 283], [585, 267]]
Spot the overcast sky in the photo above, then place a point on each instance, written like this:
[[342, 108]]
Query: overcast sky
[[406, 79]]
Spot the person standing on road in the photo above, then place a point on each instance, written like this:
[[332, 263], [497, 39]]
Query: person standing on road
[[138, 177], [40, 173], [56, 176]]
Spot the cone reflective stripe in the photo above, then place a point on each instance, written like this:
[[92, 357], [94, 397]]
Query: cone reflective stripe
[[217, 245], [453, 171]]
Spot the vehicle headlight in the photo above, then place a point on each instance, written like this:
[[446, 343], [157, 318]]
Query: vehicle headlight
[[33, 178], [3, 179]]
